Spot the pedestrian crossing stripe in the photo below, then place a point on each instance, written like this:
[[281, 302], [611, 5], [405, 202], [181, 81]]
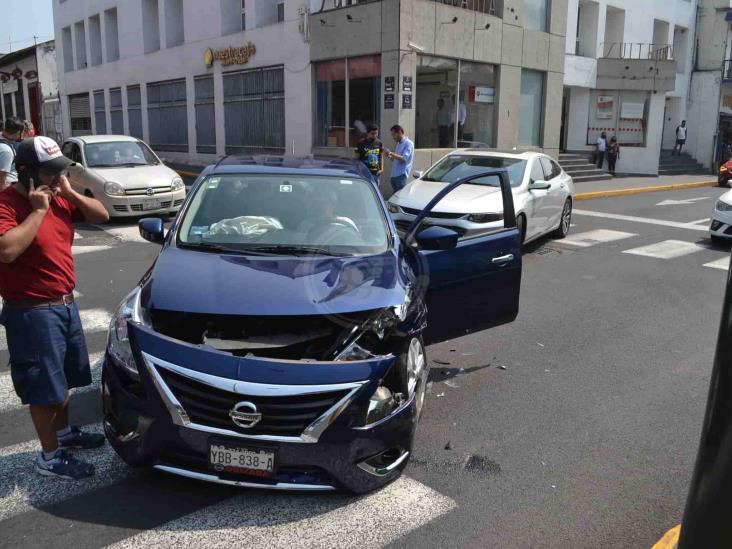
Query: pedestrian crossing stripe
[[598, 236], [78, 250], [667, 249], [722, 264]]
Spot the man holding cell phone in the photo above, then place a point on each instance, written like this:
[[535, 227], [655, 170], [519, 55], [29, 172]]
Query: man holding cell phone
[[48, 354]]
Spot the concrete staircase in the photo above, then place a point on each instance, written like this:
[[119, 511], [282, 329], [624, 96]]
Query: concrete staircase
[[578, 165], [679, 165]]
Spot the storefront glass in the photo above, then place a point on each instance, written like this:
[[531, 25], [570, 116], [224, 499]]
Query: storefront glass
[[330, 103], [623, 114], [477, 109], [532, 108], [364, 94], [437, 81]]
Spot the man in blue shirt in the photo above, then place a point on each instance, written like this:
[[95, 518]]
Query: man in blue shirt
[[402, 158]]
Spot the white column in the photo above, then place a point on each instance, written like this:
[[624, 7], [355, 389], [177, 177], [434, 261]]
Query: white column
[[107, 110], [143, 110], [125, 114], [103, 31], [219, 110], [191, 115]]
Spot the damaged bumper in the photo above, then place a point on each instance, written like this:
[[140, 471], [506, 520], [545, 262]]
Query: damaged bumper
[[308, 413]]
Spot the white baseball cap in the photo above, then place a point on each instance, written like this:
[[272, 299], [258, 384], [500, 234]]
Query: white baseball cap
[[43, 152]]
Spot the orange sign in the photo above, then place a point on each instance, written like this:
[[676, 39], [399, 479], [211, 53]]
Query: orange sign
[[229, 56]]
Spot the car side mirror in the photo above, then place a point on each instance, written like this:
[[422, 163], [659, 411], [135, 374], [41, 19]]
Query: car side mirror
[[437, 238], [417, 175], [152, 230], [540, 186]]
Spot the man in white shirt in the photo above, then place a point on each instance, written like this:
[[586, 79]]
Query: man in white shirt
[[444, 121], [601, 147], [462, 115], [12, 131], [680, 137]]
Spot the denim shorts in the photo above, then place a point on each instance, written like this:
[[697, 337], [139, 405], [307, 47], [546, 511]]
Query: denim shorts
[[398, 182], [48, 354]]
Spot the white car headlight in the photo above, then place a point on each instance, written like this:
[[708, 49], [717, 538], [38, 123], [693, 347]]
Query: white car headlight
[[393, 208], [118, 342], [114, 189], [485, 217], [177, 184], [723, 206]]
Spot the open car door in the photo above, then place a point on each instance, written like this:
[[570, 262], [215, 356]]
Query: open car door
[[471, 283]]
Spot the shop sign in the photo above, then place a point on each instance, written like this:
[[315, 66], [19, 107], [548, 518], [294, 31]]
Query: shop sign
[[388, 100], [481, 94], [407, 84], [229, 56], [632, 111], [407, 101], [605, 107], [389, 84]]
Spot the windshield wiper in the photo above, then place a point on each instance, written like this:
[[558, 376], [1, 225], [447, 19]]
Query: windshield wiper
[[296, 250], [208, 247]]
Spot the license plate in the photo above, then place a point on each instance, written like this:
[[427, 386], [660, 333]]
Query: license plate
[[151, 204], [247, 461]]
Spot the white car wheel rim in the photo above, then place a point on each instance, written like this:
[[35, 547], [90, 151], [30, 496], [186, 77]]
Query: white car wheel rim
[[416, 372]]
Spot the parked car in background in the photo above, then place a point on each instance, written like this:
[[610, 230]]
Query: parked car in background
[[542, 194], [725, 174], [278, 341], [721, 227], [130, 178]]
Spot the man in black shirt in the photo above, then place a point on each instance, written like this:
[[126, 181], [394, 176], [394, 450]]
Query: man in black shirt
[[371, 152]]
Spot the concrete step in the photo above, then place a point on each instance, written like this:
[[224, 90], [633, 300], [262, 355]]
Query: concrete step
[[572, 163], [588, 178], [573, 158], [590, 171], [674, 171]]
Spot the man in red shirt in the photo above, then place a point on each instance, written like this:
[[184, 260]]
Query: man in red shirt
[[48, 354]]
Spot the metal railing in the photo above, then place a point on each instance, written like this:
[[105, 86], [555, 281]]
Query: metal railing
[[490, 7], [636, 50]]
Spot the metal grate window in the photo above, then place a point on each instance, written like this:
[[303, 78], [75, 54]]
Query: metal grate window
[[115, 111], [254, 110], [134, 111], [100, 117], [205, 121], [167, 115], [80, 114]]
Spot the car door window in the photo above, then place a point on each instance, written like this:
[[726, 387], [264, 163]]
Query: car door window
[[537, 172], [66, 149], [546, 164], [556, 169], [75, 153]]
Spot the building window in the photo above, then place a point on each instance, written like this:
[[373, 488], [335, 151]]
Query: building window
[[330, 103], [80, 39], [150, 26], [134, 111], [111, 31], [536, 14], [68, 47], [115, 111], [95, 40], [532, 108], [174, 26], [621, 114], [100, 115], [167, 115], [8, 104], [364, 95], [205, 115], [280, 12], [243, 14], [80, 114], [254, 110]]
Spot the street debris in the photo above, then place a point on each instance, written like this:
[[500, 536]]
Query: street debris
[[451, 383], [480, 464], [448, 446], [467, 354], [540, 344], [443, 362], [500, 366], [440, 395]]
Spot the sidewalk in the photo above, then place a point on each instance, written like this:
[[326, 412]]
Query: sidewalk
[[622, 186]]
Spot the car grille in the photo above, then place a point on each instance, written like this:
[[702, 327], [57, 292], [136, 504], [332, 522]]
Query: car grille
[[138, 207], [144, 191], [728, 230], [433, 215], [286, 415], [178, 202], [120, 208]]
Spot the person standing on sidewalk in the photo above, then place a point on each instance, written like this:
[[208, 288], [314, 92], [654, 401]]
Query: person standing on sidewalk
[[371, 152], [601, 146], [613, 153], [402, 158], [48, 354], [12, 130], [680, 138]]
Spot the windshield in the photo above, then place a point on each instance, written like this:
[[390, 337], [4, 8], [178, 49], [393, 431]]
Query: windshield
[[457, 166], [285, 214], [118, 153]]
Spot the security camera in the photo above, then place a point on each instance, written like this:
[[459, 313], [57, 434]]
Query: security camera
[[415, 47]]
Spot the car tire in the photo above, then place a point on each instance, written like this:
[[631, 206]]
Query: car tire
[[521, 226], [565, 221]]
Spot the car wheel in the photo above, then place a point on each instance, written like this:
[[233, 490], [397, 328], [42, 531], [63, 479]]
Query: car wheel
[[411, 372], [718, 240], [565, 221], [521, 226]]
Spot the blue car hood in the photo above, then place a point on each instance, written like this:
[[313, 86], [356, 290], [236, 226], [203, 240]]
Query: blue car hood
[[201, 282]]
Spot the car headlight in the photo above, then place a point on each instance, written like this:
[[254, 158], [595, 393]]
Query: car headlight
[[485, 217], [177, 184], [722, 206], [393, 208], [118, 342], [114, 189]]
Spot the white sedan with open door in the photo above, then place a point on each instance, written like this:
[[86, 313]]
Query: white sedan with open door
[[542, 193]]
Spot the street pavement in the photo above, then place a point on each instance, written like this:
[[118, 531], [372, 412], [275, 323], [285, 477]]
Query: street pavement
[[575, 426]]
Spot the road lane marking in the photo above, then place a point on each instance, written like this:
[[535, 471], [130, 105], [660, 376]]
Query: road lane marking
[[125, 234], [722, 264], [280, 520], [78, 250], [646, 220], [667, 249], [598, 236], [705, 220], [682, 202]]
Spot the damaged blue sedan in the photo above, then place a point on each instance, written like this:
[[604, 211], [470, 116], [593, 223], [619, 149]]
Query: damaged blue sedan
[[278, 341]]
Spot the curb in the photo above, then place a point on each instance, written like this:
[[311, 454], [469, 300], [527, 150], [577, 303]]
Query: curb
[[639, 190], [670, 539]]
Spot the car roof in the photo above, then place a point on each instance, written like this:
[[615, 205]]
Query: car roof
[[519, 155], [286, 164], [104, 138]]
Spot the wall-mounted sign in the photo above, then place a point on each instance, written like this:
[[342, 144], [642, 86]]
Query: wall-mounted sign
[[407, 101], [388, 100], [389, 84], [605, 107], [407, 83], [632, 111], [481, 94], [229, 56]]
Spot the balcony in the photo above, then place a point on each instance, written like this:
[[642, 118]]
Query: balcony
[[636, 66]]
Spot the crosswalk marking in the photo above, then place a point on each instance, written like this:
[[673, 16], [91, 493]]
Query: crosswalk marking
[[722, 264], [279, 520], [126, 234], [598, 236], [667, 249], [78, 250], [636, 219]]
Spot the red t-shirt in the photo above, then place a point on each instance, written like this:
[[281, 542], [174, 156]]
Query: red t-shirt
[[46, 268]]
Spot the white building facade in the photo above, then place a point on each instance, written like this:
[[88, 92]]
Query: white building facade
[[627, 72]]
